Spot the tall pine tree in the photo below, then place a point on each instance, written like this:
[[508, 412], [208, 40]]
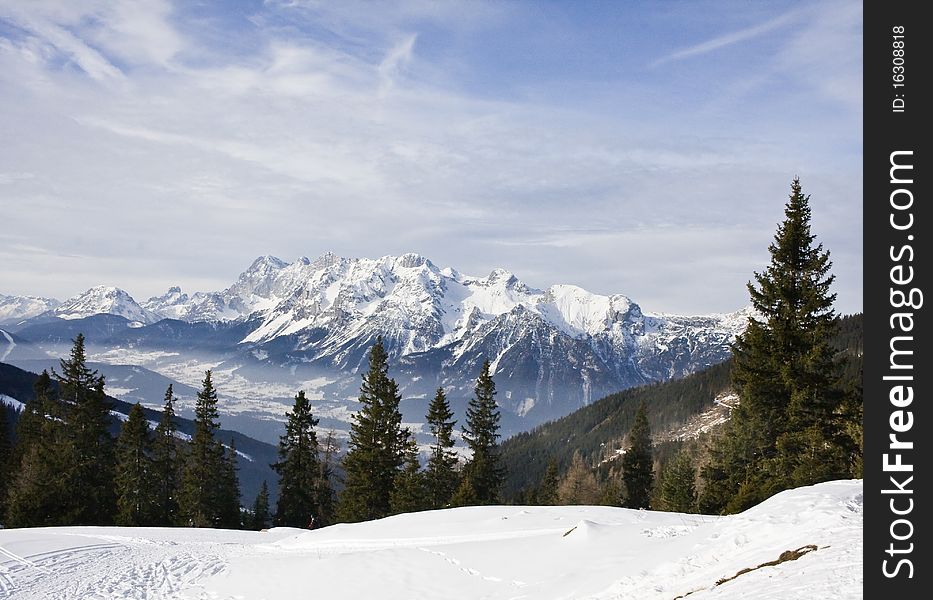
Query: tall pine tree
[[483, 473], [789, 428], [6, 456], [377, 444], [261, 518], [409, 494], [301, 489], [547, 492], [88, 452], [637, 463], [39, 490], [441, 472], [137, 502], [678, 484], [203, 478], [166, 466], [228, 505]]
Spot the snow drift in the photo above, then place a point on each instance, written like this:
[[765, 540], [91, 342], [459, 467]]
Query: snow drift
[[804, 543]]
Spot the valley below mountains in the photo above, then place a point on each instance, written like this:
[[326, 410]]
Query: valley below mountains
[[308, 324]]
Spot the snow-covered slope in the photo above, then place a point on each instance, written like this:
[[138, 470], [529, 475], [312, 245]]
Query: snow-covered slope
[[103, 300], [491, 552], [19, 308]]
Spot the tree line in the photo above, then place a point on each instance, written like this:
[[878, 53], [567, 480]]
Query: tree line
[[66, 468]]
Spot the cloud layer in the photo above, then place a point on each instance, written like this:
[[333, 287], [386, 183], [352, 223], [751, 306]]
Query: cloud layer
[[643, 151]]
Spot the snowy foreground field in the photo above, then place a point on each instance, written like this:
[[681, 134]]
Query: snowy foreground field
[[496, 552]]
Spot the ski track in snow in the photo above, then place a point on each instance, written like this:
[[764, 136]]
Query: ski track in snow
[[494, 552], [110, 567]]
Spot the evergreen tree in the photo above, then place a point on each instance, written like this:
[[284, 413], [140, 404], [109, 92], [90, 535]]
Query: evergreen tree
[[6, 455], [678, 485], [88, 451], [466, 492], [329, 450], [409, 493], [483, 471], [137, 502], [166, 465], [39, 492], [547, 491], [202, 482], [261, 518], [301, 488], [228, 505], [611, 494], [441, 471], [29, 425], [637, 463], [377, 444], [790, 428]]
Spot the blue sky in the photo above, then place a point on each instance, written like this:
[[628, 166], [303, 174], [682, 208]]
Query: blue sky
[[626, 147]]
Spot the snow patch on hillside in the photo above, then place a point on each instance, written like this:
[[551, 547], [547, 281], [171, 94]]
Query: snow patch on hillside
[[10, 401]]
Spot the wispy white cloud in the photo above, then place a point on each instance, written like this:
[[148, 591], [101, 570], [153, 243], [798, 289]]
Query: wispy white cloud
[[317, 126], [729, 39], [395, 60]]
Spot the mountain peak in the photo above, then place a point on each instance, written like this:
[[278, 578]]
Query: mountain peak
[[104, 299], [411, 260], [267, 262], [326, 259]]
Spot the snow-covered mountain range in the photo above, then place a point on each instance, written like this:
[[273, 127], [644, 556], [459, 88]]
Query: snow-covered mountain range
[[19, 308], [552, 350]]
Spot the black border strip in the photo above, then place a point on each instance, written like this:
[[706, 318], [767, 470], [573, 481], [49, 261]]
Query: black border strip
[[896, 246]]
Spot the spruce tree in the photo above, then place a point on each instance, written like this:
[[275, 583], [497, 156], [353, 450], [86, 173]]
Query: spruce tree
[[39, 492], [137, 502], [409, 493], [261, 518], [6, 456], [228, 505], [441, 472], [466, 492], [202, 482], [301, 489], [790, 428], [678, 485], [29, 425], [166, 467], [547, 491], [377, 444], [88, 453], [483, 471], [637, 463], [327, 498]]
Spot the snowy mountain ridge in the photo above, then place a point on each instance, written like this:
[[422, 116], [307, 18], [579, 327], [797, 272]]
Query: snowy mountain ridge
[[18, 308], [435, 306], [104, 299], [552, 350]]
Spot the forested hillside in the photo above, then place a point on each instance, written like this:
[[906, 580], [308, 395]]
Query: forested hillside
[[18, 384], [596, 431]]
